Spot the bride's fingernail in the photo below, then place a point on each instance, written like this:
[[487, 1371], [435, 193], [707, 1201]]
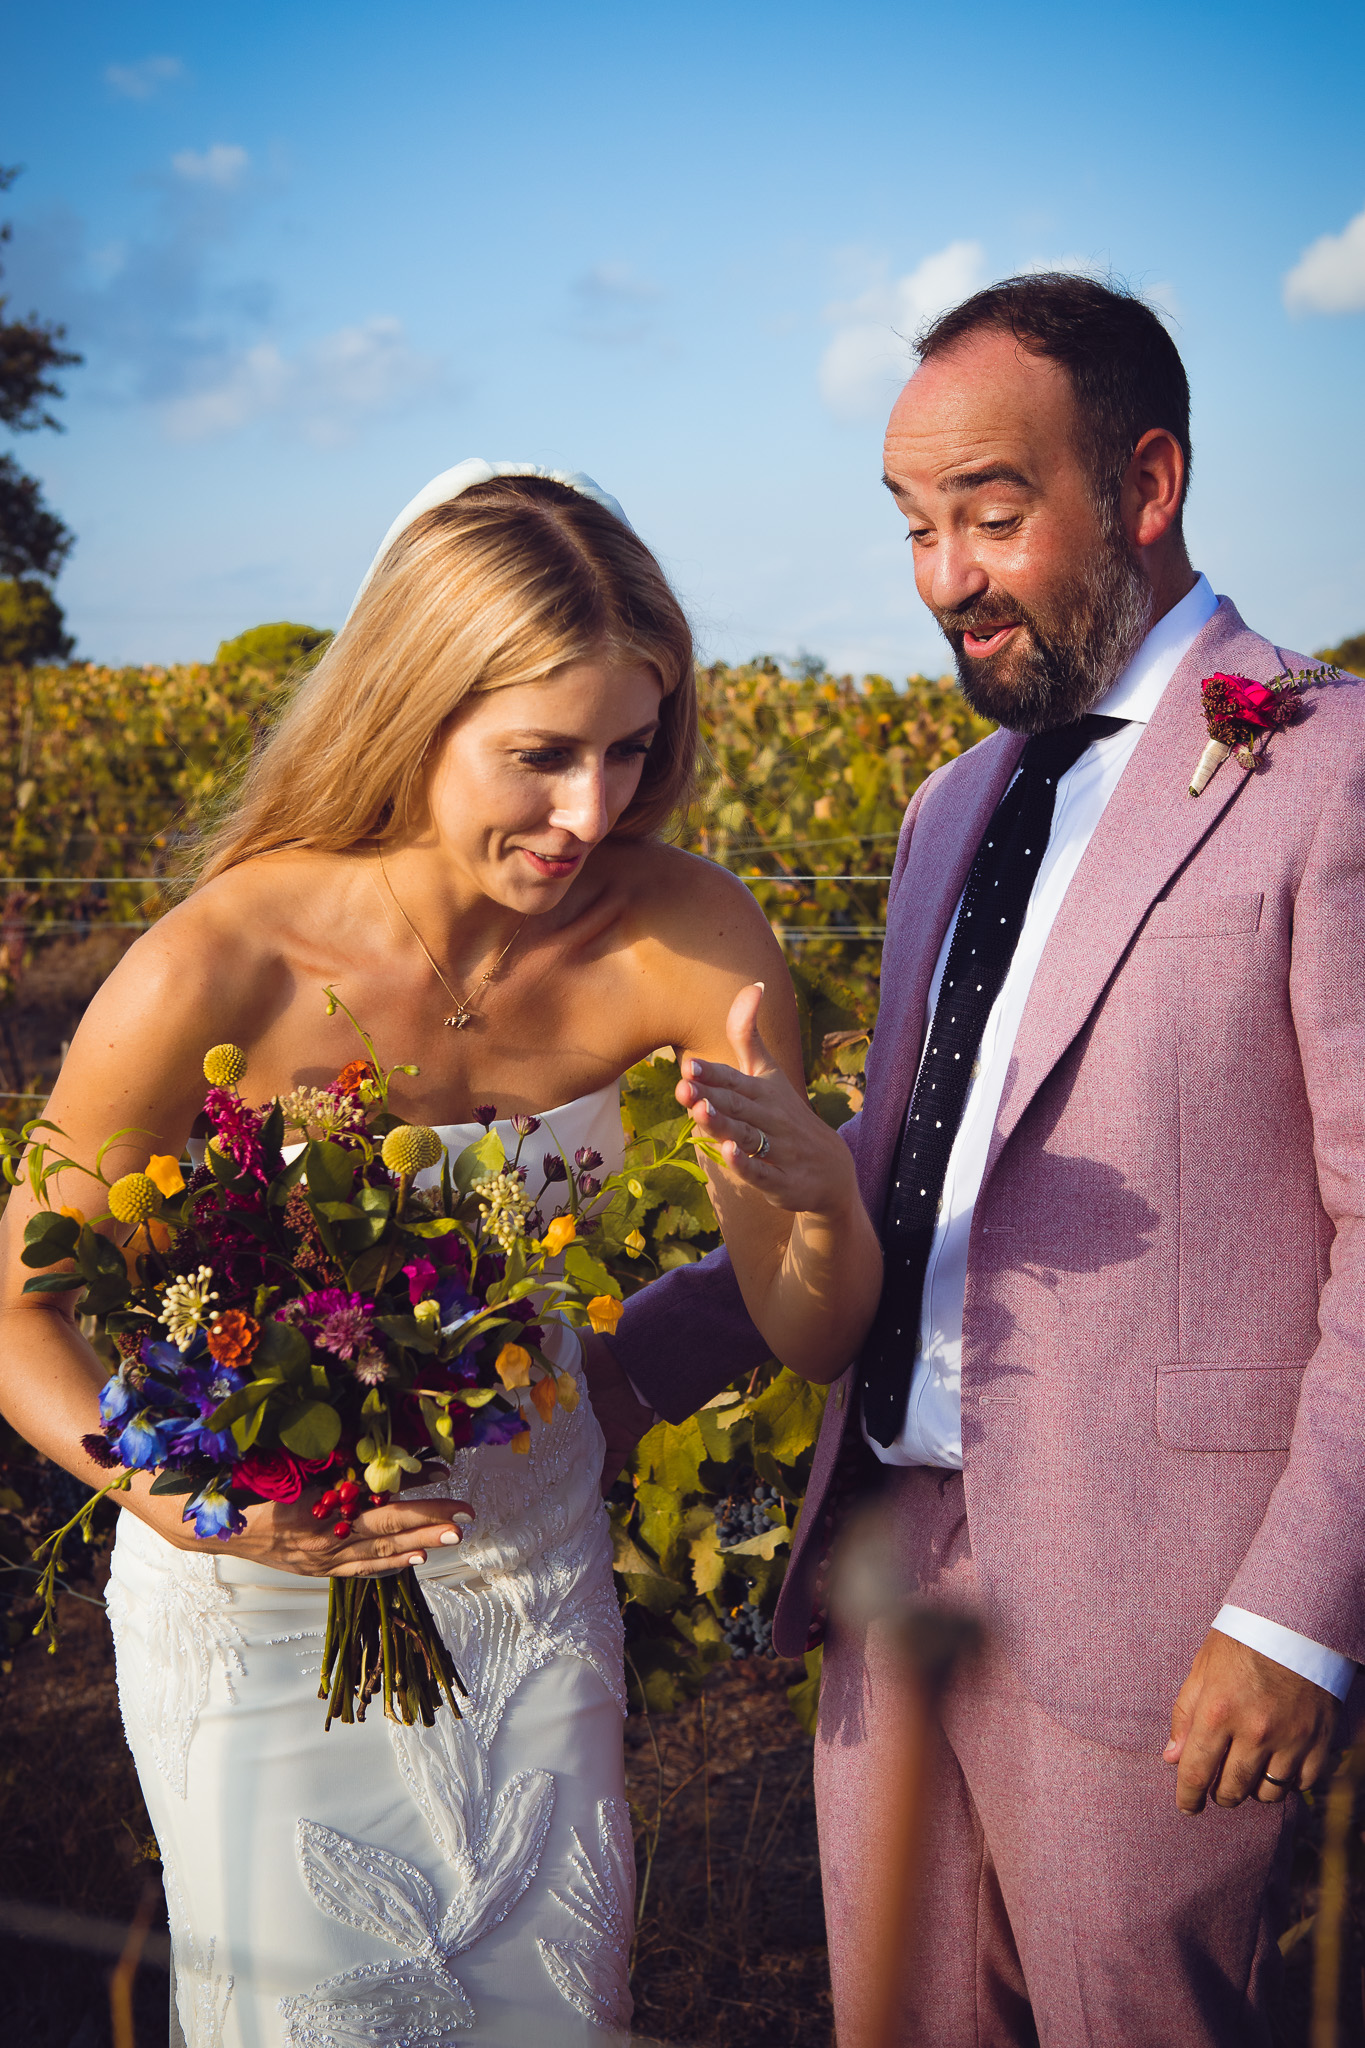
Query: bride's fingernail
[[418, 1557], [452, 1535], [704, 1104], [763, 985], [462, 1517]]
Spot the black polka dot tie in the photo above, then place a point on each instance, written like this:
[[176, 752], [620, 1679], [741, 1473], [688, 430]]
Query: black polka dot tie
[[988, 927]]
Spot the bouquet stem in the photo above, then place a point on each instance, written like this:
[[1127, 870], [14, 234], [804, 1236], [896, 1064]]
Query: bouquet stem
[[49, 1582], [382, 1638]]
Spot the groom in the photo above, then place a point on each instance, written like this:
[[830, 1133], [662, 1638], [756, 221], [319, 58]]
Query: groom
[[1114, 1130]]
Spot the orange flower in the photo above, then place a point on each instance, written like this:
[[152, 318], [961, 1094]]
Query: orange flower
[[514, 1365], [522, 1443], [604, 1314], [136, 1247], [544, 1395], [164, 1170], [232, 1337], [561, 1230], [353, 1077]]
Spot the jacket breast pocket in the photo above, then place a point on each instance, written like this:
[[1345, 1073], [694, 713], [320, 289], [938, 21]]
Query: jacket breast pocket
[[1233, 914], [1227, 1407]]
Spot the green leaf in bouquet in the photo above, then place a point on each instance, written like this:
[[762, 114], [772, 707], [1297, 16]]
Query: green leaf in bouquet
[[48, 1237], [97, 1258], [173, 1482], [374, 1201], [434, 1226], [283, 1185], [407, 1331], [272, 1130], [477, 1397], [330, 1170], [281, 1353], [243, 1402], [54, 1283], [487, 1155], [312, 1431], [366, 1271], [588, 1274]]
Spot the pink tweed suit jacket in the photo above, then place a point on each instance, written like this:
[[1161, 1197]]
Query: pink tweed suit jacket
[[1163, 1361]]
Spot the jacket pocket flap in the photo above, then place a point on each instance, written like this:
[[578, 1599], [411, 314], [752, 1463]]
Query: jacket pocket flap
[[1227, 1408], [1196, 917]]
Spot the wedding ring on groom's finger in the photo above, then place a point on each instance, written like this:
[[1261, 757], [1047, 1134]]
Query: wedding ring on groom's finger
[[761, 1149], [1285, 1784]]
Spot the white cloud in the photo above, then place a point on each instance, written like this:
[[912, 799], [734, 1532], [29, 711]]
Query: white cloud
[[869, 357], [613, 282], [323, 393], [143, 80], [1329, 277], [222, 164]]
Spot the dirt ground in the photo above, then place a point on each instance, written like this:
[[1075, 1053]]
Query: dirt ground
[[730, 1946]]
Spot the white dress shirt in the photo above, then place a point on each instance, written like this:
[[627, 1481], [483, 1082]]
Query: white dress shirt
[[932, 1431]]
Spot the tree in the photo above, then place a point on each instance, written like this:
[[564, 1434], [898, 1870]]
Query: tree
[[277, 646], [33, 540], [1350, 655]]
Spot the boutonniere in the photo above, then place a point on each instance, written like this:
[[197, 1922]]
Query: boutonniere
[[1241, 715]]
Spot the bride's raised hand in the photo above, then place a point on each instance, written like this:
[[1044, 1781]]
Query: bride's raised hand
[[768, 1136]]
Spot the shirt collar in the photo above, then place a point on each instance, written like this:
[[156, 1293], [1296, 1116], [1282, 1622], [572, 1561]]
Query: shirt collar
[[1135, 693]]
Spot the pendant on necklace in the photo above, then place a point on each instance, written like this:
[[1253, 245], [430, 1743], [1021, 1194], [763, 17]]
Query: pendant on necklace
[[460, 1019]]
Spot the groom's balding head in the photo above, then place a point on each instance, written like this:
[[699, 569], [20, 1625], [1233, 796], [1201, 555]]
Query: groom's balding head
[[1040, 454]]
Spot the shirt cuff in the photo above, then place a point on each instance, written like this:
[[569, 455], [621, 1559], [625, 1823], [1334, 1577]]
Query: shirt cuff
[[1314, 1661]]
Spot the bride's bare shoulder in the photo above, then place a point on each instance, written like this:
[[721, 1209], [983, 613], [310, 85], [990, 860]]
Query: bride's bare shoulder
[[671, 892]]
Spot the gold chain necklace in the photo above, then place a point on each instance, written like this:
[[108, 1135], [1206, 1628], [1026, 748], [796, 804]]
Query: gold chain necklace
[[463, 1012]]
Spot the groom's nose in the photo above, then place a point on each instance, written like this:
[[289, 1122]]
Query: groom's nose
[[581, 805], [949, 574]]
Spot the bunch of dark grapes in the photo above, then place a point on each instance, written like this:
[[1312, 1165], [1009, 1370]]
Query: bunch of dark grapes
[[748, 1631], [743, 1516]]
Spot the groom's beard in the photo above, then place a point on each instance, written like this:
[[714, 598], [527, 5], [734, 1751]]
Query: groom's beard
[[1066, 654]]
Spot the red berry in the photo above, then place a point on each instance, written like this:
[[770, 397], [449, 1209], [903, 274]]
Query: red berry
[[347, 1492], [377, 1500], [320, 1511], [342, 1529], [330, 1499]]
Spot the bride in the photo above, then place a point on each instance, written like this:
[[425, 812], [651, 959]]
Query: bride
[[457, 823]]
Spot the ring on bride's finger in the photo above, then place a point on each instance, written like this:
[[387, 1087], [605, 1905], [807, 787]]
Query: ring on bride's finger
[[761, 1149]]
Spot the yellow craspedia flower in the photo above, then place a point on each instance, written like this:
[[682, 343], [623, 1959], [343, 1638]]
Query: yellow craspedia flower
[[166, 1172], [514, 1365], [224, 1065], [604, 1314], [133, 1198], [410, 1147], [560, 1231]]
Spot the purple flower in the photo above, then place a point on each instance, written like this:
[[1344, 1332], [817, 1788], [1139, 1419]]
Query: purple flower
[[98, 1451], [346, 1330], [419, 1276], [494, 1425], [589, 1187], [587, 1158], [187, 1438], [214, 1514], [237, 1128], [485, 1114], [553, 1167], [526, 1126], [144, 1444]]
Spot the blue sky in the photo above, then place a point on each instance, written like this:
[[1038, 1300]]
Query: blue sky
[[315, 254]]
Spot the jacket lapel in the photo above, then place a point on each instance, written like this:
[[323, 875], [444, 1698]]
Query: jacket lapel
[[1149, 829], [947, 831]]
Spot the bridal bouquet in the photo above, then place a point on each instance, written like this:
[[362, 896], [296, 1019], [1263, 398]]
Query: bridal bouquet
[[296, 1316]]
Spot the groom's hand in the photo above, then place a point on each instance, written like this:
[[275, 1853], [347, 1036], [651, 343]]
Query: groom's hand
[[1240, 1715], [622, 1415]]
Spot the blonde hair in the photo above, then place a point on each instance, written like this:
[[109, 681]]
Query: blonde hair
[[505, 584]]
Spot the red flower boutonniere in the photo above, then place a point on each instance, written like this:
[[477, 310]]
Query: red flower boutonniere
[[1240, 713]]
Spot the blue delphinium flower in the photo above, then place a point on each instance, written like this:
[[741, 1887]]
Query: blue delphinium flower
[[214, 1514], [118, 1401], [494, 1425], [144, 1443]]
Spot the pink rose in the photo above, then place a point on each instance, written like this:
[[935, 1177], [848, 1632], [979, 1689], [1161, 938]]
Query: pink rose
[[277, 1475], [1246, 699]]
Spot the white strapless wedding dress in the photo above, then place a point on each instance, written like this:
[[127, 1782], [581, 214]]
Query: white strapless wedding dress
[[380, 1886]]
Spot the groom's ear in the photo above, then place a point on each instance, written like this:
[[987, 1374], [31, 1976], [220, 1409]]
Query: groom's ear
[[1153, 492]]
